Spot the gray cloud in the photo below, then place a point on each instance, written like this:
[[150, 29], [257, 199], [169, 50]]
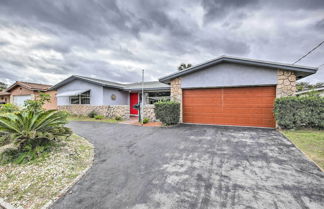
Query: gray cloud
[[296, 4], [218, 9], [319, 25], [46, 41]]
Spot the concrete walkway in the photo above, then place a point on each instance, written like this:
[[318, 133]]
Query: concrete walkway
[[134, 121], [193, 167]]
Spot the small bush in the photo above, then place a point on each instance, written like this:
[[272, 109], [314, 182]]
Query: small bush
[[300, 112], [168, 112], [29, 134], [36, 105], [92, 114], [27, 154], [8, 108], [118, 118], [99, 117], [146, 120]]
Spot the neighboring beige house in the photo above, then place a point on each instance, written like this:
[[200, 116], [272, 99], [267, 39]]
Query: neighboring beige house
[[319, 90], [4, 97], [21, 91]]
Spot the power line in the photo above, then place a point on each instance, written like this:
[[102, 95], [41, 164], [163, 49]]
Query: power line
[[318, 45]]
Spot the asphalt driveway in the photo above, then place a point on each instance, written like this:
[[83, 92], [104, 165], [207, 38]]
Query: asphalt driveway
[[193, 167]]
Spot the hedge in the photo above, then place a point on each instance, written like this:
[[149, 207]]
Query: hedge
[[168, 112], [300, 112]]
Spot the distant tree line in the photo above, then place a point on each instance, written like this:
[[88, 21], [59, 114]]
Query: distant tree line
[[306, 85], [2, 86], [184, 66]]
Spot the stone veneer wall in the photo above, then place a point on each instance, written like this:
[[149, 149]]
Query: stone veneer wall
[[110, 111], [286, 85], [149, 112], [176, 93]]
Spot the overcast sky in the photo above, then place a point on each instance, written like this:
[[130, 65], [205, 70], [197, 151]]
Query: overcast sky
[[45, 41]]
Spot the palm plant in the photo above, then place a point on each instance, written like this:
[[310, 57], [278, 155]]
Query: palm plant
[[33, 128]]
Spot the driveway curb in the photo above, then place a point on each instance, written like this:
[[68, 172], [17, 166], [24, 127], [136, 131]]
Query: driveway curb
[[76, 180]]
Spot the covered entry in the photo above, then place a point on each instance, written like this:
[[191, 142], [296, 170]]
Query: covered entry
[[241, 106]]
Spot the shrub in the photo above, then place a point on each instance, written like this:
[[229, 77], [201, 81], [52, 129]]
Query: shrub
[[31, 133], [8, 108], [99, 117], [92, 114], [118, 118], [300, 112], [168, 112], [36, 105], [146, 120]]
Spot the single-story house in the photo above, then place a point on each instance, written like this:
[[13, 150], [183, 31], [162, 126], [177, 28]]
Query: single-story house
[[81, 95], [233, 91], [21, 91], [4, 97], [223, 91], [319, 91]]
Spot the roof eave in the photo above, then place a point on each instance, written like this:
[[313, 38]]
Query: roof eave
[[73, 77], [308, 70], [16, 84], [58, 85], [114, 87], [147, 89]]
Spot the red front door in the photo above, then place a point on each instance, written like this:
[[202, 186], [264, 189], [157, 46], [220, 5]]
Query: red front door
[[133, 100]]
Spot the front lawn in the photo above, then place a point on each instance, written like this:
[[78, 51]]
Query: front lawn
[[33, 184], [311, 142], [85, 118]]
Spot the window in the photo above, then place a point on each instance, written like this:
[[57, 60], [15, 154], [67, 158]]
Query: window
[[75, 99], [153, 97], [83, 98]]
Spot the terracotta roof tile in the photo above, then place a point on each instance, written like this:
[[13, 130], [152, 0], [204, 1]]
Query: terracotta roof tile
[[30, 86], [4, 93]]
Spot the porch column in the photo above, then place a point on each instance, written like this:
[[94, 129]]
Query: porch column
[[176, 94], [286, 83]]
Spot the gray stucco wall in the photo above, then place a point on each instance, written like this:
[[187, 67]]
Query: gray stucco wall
[[227, 74], [121, 97], [96, 92]]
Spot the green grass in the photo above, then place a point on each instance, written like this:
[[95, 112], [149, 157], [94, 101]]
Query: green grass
[[85, 118], [311, 142]]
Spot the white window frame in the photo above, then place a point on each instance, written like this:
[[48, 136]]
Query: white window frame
[[80, 98]]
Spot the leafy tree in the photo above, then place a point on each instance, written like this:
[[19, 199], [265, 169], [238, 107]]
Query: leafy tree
[[319, 84], [306, 85], [184, 66], [36, 105], [2, 86], [302, 86], [8, 108]]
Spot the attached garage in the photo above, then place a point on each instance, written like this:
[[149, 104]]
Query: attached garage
[[233, 91], [245, 106], [19, 100]]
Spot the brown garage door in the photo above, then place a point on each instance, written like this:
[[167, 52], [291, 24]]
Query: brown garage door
[[242, 106]]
